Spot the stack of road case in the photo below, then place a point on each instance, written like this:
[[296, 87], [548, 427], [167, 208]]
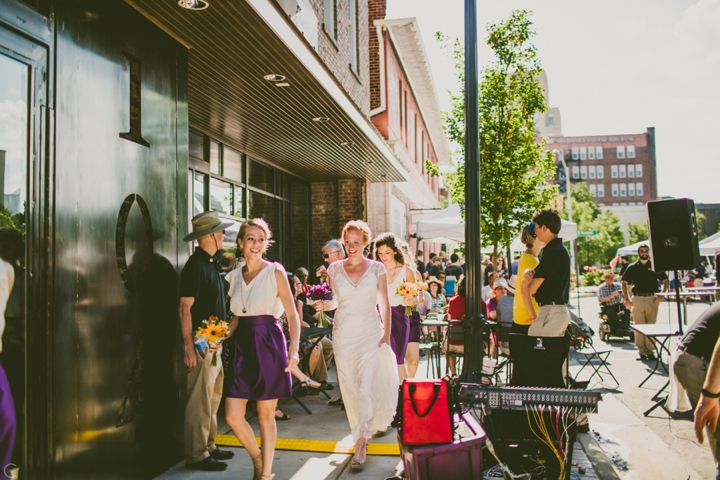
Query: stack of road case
[[459, 460]]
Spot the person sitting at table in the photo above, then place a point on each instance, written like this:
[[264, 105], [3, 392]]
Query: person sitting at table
[[437, 299], [696, 374], [611, 303], [488, 288], [499, 291], [441, 277], [302, 275], [456, 312]]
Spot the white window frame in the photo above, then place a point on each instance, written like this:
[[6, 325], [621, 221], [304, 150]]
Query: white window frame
[[639, 189], [631, 171], [583, 153], [591, 172], [575, 153], [631, 151], [614, 187], [575, 172], [621, 171], [638, 170], [620, 151], [613, 171], [599, 152], [593, 189], [623, 189], [591, 153], [583, 173], [600, 171], [601, 190], [329, 23], [631, 189]]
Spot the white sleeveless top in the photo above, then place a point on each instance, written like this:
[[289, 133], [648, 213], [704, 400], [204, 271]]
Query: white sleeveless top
[[260, 297], [5, 288], [395, 299]]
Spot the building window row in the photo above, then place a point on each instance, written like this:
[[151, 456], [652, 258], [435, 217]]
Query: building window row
[[626, 171], [627, 189], [587, 172], [596, 153], [597, 189]]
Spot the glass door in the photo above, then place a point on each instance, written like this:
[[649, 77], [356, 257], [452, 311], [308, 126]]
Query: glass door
[[23, 120]]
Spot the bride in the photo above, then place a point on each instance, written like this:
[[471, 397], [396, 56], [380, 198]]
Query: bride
[[368, 376]]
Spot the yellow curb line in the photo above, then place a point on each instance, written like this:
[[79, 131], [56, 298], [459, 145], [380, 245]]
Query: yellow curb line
[[322, 446]]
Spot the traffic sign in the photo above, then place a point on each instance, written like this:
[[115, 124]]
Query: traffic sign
[[588, 233]]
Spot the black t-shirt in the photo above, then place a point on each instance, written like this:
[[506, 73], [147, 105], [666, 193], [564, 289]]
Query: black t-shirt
[[643, 278], [554, 268], [623, 268], [700, 339], [420, 266], [433, 270], [200, 279], [454, 270]]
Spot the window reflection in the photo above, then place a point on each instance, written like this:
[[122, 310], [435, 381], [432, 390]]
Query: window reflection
[[221, 198]]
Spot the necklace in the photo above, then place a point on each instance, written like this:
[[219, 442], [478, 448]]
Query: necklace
[[242, 289]]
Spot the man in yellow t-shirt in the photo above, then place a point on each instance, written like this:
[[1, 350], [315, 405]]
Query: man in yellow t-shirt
[[525, 307]]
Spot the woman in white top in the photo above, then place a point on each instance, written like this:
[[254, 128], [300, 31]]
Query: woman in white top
[[386, 249], [260, 363], [366, 365], [11, 250]]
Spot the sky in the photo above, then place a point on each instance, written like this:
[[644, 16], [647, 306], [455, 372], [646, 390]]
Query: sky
[[613, 67]]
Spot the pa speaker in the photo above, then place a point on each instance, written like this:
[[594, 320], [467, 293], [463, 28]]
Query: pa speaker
[[673, 234]]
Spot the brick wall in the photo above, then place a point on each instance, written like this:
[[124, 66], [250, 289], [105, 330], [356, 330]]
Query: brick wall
[[376, 11], [351, 200], [336, 52]]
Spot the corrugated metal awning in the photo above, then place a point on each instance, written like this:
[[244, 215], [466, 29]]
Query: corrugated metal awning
[[233, 45]]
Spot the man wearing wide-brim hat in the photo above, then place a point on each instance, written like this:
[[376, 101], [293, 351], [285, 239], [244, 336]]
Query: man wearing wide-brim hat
[[202, 295], [611, 303]]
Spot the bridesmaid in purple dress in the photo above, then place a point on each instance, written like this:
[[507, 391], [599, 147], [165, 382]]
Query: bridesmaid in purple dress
[[260, 363], [386, 248]]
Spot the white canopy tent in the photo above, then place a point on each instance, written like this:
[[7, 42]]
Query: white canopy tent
[[632, 249], [710, 246], [449, 224]]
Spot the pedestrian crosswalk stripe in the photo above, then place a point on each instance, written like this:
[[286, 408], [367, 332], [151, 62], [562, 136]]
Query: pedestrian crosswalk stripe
[[321, 446]]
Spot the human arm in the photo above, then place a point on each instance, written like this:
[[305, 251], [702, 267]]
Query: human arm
[[609, 297], [327, 305], [529, 305], [626, 294], [708, 409], [384, 305], [186, 331], [293, 322], [299, 309]]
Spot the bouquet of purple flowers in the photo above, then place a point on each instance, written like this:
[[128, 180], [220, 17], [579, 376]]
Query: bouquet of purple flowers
[[320, 293]]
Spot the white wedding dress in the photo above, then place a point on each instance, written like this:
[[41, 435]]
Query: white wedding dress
[[367, 374]]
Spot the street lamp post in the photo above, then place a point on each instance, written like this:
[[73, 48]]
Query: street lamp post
[[473, 322], [573, 262]]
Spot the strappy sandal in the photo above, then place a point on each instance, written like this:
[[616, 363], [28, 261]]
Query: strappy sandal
[[309, 388], [257, 467], [357, 464]]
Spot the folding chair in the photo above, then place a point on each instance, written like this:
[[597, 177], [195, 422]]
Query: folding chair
[[585, 349], [455, 333]]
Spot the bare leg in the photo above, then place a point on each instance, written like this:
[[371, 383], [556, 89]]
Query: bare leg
[[412, 358], [235, 417], [451, 363], [402, 372], [268, 432]]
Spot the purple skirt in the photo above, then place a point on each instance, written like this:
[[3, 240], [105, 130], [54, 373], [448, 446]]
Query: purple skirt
[[399, 332], [257, 360], [7, 420], [415, 327]]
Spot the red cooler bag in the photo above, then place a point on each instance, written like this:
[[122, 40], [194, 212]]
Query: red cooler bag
[[427, 412]]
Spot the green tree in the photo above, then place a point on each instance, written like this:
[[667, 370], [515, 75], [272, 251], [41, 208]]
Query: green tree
[[514, 168], [637, 231], [588, 215]]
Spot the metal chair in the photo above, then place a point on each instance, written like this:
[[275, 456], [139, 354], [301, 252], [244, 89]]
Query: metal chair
[[586, 350]]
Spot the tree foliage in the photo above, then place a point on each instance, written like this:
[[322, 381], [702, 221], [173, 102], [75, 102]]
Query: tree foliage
[[514, 168], [588, 215], [637, 232]]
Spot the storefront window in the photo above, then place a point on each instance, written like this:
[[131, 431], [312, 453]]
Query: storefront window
[[221, 196], [262, 176], [268, 208], [239, 200], [198, 193]]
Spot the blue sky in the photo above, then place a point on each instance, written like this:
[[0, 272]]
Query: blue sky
[[614, 67]]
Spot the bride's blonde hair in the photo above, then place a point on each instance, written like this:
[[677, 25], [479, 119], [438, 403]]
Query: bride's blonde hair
[[358, 226]]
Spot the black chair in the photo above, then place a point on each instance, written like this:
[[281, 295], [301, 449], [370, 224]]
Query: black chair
[[311, 337], [587, 351]]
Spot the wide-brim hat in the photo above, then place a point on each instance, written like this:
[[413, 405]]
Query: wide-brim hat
[[434, 280], [609, 274], [500, 283], [205, 223], [511, 284]]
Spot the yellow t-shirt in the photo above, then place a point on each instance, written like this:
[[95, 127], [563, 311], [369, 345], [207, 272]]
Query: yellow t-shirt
[[520, 314]]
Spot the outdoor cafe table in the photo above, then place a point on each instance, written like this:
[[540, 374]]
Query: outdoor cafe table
[[659, 334], [709, 292], [437, 348]]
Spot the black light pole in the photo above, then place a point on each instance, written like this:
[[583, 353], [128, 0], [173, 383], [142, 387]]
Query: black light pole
[[473, 321]]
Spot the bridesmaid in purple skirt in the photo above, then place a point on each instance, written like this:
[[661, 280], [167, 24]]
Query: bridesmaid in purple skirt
[[412, 353], [260, 363], [386, 249]]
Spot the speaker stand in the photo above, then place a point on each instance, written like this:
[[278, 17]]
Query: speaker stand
[[677, 302]]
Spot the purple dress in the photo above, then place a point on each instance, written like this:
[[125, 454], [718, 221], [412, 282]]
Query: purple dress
[[415, 327], [258, 351], [7, 420], [400, 323]]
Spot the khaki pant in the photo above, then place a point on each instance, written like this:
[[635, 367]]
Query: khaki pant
[[320, 373], [644, 311], [204, 392], [691, 372], [551, 321]]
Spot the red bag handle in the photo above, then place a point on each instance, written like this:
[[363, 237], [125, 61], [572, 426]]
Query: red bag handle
[[413, 387]]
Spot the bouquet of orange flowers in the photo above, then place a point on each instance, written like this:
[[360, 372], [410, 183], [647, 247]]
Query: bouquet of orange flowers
[[408, 291], [211, 331]]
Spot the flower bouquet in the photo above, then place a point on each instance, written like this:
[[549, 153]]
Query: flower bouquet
[[212, 331], [320, 293], [408, 291]]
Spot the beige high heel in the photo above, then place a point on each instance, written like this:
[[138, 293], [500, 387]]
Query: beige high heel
[[257, 466], [267, 477], [357, 464]]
